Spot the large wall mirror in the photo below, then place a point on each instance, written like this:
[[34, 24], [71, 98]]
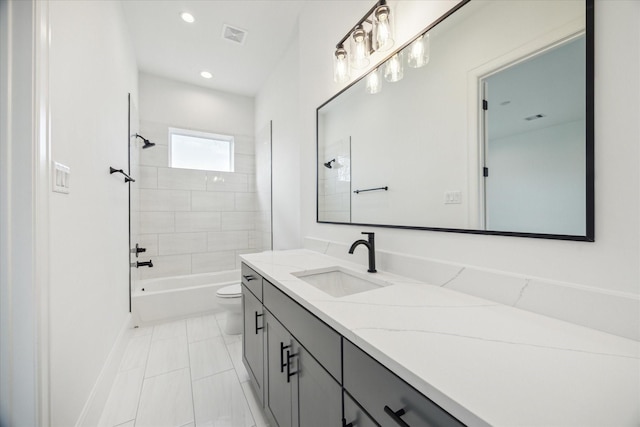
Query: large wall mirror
[[491, 134]]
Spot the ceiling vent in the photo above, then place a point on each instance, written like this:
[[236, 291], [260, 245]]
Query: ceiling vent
[[233, 34]]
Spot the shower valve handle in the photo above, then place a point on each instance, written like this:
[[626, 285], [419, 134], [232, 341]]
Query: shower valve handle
[[138, 249]]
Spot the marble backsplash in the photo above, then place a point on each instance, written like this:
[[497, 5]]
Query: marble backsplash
[[610, 312]]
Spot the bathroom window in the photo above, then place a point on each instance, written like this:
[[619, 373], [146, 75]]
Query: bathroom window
[[189, 149]]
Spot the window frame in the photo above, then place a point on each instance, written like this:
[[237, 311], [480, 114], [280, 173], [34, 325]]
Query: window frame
[[230, 139]]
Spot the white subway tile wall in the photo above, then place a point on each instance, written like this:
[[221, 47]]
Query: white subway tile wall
[[334, 184], [194, 221]]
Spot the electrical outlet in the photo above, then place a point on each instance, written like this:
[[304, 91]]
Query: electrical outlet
[[452, 197]]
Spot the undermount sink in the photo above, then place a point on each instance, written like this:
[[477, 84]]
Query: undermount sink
[[339, 282]]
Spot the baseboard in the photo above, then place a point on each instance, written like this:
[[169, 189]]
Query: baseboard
[[90, 415]]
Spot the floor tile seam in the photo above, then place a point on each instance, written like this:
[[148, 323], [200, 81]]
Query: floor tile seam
[[169, 338], [246, 399], [184, 327], [123, 423], [168, 372], [253, 416], [193, 399], [214, 374], [144, 373], [204, 339]]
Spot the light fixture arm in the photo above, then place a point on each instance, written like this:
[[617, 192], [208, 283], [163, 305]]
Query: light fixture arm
[[360, 22]]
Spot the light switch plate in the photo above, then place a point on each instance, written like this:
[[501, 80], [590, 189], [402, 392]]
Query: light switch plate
[[452, 197], [61, 178]]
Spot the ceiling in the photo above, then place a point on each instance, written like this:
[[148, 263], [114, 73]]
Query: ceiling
[[167, 46]]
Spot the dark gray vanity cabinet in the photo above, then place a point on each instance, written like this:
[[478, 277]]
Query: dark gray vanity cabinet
[[354, 415], [300, 390], [319, 395], [311, 376], [253, 340], [386, 397], [281, 373]]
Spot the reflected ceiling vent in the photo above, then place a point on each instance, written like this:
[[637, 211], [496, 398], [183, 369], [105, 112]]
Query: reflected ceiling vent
[[534, 117], [233, 34]]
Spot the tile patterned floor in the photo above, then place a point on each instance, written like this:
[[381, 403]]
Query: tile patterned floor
[[184, 373]]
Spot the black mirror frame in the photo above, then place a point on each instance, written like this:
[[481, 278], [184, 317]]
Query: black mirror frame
[[589, 141]]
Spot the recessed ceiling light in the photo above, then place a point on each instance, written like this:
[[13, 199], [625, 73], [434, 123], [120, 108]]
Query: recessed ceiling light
[[187, 17], [206, 74]]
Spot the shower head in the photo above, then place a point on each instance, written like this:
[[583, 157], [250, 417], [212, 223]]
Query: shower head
[[147, 143], [328, 164]]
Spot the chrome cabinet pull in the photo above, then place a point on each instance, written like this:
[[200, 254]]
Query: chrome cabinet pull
[[248, 277], [395, 415]]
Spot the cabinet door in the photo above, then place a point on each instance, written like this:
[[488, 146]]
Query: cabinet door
[[354, 415], [253, 341], [279, 391], [319, 395]]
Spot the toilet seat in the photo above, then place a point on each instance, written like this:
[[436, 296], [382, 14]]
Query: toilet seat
[[232, 291]]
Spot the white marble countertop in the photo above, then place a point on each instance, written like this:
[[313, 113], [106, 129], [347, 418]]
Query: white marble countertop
[[484, 362]]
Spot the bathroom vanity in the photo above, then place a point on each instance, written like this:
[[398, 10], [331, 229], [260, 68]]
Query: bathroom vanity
[[327, 344]]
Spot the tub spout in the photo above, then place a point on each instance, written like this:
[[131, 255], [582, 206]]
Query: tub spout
[[138, 264]]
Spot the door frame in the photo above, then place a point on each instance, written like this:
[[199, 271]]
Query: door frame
[[25, 159]]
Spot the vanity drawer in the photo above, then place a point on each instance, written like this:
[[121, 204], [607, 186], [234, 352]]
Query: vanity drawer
[[252, 280], [381, 393], [314, 335]]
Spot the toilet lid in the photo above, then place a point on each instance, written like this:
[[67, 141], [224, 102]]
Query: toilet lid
[[231, 291]]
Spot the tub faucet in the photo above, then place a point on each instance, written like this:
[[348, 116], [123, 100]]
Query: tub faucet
[[143, 264], [372, 250]]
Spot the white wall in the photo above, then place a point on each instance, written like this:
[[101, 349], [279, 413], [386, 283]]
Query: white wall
[[278, 102], [195, 221], [536, 181], [92, 70], [610, 263]]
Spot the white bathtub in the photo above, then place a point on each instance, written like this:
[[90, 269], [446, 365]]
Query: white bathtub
[[155, 300]]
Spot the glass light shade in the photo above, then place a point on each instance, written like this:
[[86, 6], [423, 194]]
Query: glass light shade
[[374, 82], [341, 70], [382, 29], [359, 48], [394, 70], [418, 52]]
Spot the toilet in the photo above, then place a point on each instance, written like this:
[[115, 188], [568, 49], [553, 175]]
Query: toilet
[[230, 297]]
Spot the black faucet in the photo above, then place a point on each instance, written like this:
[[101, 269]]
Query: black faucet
[[372, 250], [143, 264]]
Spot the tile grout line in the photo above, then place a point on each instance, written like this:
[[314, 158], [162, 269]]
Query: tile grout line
[[144, 371], [193, 400], [226, 345]]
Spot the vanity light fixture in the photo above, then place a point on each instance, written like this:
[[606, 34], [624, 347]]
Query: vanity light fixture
[[418, 55], [187, 17], [374, 83], [373, 32], [341, 71], [382, 28], [393, 69], [360, 47]]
